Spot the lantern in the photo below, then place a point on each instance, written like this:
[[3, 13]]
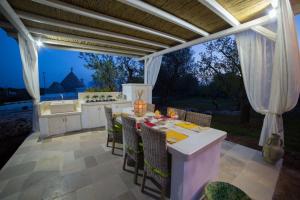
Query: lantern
[[140, 106]]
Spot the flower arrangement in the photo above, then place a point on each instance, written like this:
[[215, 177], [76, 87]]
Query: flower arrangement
[[172, 114], [157, 114]]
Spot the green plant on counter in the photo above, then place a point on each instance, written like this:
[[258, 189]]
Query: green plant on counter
[[99, 90], [87, 97], [95, 97], [109, 97]]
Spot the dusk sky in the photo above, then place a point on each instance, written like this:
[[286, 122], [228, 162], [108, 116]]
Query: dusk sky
[[55, 63]]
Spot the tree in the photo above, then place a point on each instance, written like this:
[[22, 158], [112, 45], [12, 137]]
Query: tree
[[176, 75], [219, 65], [105, 71], [131, 69], [112, 71]]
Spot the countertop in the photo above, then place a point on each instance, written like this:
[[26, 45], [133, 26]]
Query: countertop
[[46, 113], [104, 103]]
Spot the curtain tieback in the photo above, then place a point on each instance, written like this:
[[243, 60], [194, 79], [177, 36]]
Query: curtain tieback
[[273, 113], [36, 101]]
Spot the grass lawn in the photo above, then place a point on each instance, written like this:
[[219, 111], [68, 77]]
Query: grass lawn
[[251, 131], [245, 134], [202, 104]]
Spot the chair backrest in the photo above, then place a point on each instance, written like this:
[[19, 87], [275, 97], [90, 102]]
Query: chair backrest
[[109, 117], [181, 113], [155, 148], [198, 118], [150, 107], [130, 134]]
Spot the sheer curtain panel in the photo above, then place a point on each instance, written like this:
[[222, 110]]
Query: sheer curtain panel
[[29, 57], [271, 71], [151, 70]]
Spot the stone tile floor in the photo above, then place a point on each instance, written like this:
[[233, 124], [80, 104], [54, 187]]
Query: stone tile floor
[[80, 166]]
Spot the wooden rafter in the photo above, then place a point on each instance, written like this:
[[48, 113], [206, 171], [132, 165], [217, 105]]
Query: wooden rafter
[[230, 19], [83, 46], [236, 29], [87, 39], [14, 19], [87, 29], [164, 15], [67, 48], [92, 14]]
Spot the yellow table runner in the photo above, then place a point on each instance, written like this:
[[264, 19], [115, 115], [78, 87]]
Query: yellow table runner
[[173, 136], [191, 126], [187, 125]]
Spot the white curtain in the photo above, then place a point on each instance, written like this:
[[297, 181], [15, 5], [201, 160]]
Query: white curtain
[[29, 57], [151, 70], [271, 72]]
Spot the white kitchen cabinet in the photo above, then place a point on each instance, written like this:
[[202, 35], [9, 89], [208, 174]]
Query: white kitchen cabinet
[[56, 125], [92, 116], [59, 124], [73, 123], [102, 116], [89, 115]]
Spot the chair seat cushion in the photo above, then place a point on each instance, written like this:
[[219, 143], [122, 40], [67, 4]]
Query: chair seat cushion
[[224, 191], [156, 170], [117, 128]]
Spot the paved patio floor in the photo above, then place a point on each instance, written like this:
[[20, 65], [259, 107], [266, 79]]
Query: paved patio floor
[[80, 166]]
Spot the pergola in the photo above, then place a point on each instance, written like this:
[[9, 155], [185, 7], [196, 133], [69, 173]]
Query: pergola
[[132, 27], [142, 29]]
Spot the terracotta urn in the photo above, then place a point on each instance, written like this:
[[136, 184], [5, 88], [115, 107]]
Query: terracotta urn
[[273, 149]]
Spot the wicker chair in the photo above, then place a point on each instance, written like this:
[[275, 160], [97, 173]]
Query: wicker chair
[[150, 107], [181, 113], [156, 159], [114, 129], [198, 118], [133, 148]]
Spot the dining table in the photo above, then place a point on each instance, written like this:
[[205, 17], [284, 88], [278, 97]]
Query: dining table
[[195, 152]]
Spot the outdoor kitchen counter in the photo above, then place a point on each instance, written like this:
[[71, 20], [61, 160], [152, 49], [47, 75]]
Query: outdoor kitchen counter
[[59, 117], [46, 112]]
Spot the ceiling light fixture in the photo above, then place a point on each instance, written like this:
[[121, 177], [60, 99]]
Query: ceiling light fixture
[[39, 43], [272, 13]]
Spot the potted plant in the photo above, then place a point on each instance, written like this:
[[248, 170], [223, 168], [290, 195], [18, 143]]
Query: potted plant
[[102, 98], [109, 97], [87, 97], [95, 98]]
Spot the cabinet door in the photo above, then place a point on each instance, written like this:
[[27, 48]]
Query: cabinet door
[[102, 120], [44, 128], [56, 125], [90, 116], [73, 123]]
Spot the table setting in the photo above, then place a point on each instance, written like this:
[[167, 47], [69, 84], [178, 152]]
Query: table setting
[[167, 124]]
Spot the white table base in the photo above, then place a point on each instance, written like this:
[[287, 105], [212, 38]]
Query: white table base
[[190, 176]]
